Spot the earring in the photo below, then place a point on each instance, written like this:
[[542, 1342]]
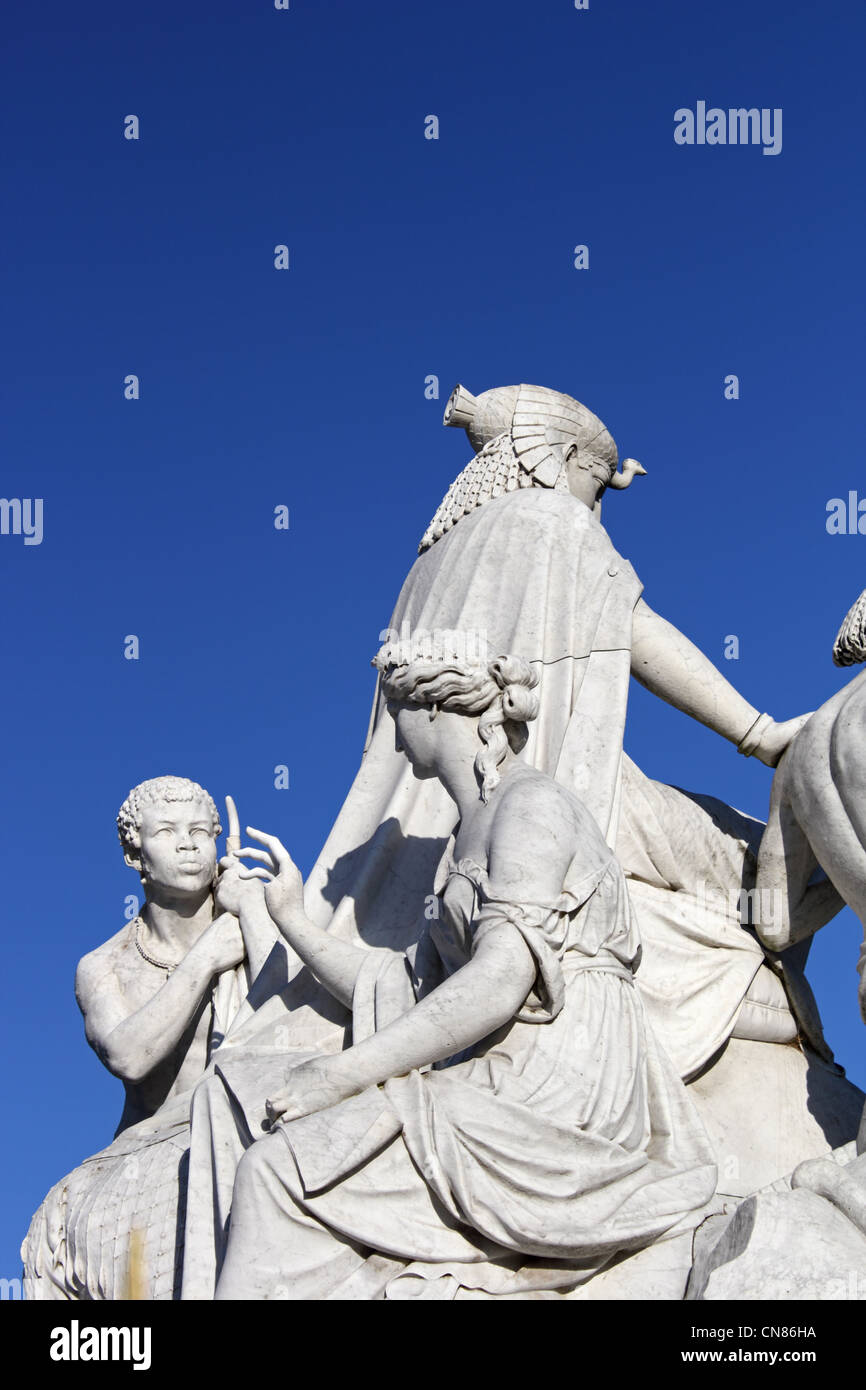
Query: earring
[[434, 710]]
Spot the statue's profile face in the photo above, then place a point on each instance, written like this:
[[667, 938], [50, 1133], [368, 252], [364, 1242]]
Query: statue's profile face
[[416, 736], [178, 847]]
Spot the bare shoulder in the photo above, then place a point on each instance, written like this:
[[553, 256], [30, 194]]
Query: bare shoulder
[[534, 801], [104, 965], [535, 834]]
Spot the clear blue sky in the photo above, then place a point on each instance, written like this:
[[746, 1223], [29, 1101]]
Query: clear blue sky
[[409, 257]]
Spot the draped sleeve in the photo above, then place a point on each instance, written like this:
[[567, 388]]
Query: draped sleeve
[[546, 998], [550, 931]]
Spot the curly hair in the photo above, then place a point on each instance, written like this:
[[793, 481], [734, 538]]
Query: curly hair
[[502, 692], [151, 793]]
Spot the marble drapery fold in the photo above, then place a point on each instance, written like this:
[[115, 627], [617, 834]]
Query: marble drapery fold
[[544, 1151]]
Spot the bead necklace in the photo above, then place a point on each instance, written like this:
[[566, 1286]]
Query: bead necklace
[[151, 960]]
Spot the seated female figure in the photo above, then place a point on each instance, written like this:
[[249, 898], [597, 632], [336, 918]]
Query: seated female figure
[[504, 1120]]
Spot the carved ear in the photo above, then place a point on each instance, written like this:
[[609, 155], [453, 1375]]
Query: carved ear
[[130, 862]]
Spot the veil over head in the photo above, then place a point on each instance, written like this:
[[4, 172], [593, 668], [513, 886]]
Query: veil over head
[[534, 574]]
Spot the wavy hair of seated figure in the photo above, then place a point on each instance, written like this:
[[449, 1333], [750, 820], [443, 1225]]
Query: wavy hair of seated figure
[[501, 692]]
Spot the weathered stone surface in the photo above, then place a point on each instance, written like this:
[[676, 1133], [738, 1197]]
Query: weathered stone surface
[[766, 1107], [791, 1246]]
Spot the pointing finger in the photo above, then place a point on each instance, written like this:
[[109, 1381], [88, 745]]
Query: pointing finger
[[261, 855], [279, 853]]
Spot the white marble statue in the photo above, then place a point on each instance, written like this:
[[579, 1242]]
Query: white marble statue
[[527, 568], [157, 998], [515, 561], [503, 1120]]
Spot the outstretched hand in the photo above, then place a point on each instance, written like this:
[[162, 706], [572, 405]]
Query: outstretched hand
[[284, 890]]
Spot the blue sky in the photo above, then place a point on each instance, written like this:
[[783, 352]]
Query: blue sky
[[409, 257]]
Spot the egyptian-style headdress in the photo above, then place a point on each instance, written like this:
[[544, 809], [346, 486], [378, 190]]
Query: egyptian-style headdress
[[850, 646], [520, 435]]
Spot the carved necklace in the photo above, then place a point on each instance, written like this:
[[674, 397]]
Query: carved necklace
[[151, 960]]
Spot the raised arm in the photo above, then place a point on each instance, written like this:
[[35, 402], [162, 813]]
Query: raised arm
[[245, 900], [131, 1045], [530, 850], [673, 668], [335, 963]]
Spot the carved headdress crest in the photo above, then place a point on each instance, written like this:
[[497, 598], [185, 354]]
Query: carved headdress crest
[[521, 435], [850, 646]]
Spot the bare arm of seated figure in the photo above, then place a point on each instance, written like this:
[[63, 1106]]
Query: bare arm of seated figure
[[335, 963], [481, 997], [675, 670], [131, 1041], [530, 849]]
